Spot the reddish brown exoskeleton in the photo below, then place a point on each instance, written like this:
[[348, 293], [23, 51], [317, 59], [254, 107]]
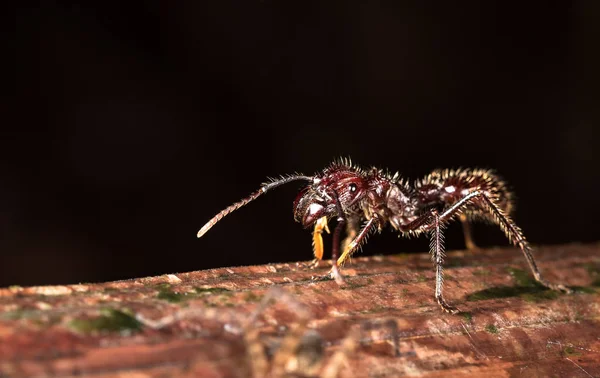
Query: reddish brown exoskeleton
[[364, 201]]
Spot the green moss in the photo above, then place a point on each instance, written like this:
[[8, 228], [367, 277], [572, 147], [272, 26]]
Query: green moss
[[596, 282], [421, 278], [540, 296], [166, 293], [27, 314], [593, 269], [170, 296], [570, 351], [495, 292], [212, 290], [110, 320], [526, 288], [467, 316], [491, 329], [585, 289], [15, 315], [523, 278], [527, 293], [376, 309], [251, 297]]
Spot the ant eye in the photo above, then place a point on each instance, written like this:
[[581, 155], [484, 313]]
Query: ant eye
[[352, 188]]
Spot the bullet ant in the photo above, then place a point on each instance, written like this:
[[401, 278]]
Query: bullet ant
[[363, 201]]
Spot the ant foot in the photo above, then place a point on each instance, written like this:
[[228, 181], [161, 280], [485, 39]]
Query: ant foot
[[326, 277], [446, 307], [333, 274], [471, 246], [314, 264], [558, 287], [337, 276]]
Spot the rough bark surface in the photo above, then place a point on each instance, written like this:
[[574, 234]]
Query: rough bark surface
[[508, 325]]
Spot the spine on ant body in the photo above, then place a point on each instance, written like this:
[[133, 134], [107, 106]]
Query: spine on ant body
[[446, 187]]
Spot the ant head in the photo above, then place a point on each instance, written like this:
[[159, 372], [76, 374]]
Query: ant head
[[342, 182]]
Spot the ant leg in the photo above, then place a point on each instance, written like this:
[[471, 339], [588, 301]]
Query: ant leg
[[320, 225], [434, 223], [358, 240], [515, 235], [335, 271], [436, 247], [510, 229], [466, 225]]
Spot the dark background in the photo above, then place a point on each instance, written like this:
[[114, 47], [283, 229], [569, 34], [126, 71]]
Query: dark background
[[132, 125]]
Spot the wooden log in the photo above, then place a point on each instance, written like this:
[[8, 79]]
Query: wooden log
[[508, 325]]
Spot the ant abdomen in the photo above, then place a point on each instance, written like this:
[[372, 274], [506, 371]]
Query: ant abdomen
[[448, 186]]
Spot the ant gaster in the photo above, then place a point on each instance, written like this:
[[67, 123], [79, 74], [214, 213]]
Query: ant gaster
[[364, 201]]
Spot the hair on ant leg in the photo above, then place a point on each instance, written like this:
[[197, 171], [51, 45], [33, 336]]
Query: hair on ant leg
[[374, 198]]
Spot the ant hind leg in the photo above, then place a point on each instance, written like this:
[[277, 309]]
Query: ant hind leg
[[468, 233], [515, 235]]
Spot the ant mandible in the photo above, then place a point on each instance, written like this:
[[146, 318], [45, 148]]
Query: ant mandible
[[373, 198]]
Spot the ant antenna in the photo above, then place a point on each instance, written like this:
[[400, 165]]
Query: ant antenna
[[264, 188]]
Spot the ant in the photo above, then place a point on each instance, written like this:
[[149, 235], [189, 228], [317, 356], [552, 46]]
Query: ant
[[366, 200]]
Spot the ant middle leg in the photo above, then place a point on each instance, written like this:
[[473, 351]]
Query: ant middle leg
[[352, 228], [437, 255], [351, 245]]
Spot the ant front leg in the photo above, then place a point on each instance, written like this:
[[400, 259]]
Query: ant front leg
[[335, 270], [320, 225], [342, 221]]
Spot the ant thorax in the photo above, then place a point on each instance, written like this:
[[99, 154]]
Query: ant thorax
[[390, 200]]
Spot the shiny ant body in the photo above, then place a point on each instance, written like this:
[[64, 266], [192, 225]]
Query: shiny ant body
[[364, 201]]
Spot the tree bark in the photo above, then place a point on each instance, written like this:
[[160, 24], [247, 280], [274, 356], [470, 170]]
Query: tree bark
[[508, 324]]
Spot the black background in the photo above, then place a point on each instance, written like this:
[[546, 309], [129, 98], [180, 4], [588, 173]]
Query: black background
[[132, 125]]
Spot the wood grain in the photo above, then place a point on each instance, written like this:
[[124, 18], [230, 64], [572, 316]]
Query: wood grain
[[508, 326]]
